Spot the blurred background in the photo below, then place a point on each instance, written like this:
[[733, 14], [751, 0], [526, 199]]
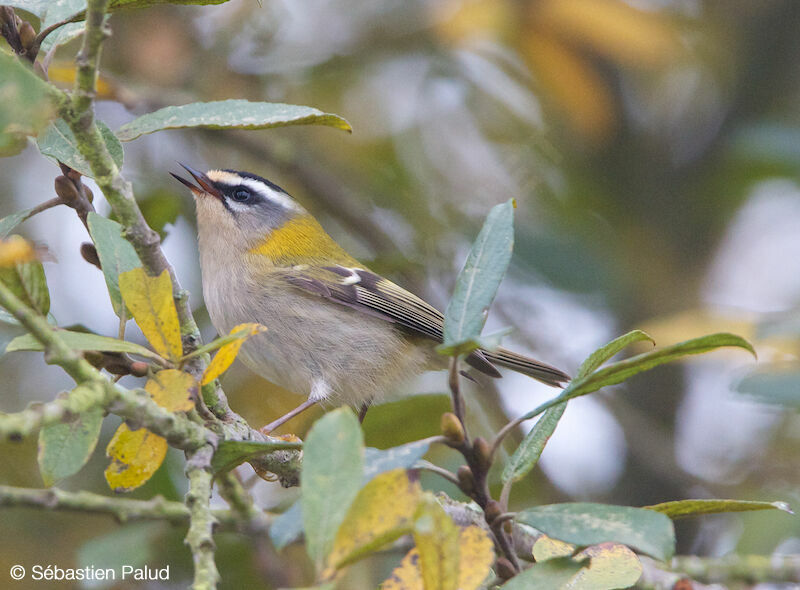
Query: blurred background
[[653, 148]]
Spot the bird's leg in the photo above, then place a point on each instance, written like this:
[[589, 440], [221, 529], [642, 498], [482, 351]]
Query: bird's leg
[[362, 413], [287, 416]]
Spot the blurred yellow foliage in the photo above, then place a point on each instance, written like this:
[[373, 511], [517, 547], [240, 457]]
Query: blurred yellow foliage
[[14, 250]]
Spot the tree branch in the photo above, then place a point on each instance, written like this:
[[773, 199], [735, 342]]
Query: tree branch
[[201, 520]]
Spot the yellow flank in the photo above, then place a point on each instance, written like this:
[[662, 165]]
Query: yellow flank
[[302, 240]]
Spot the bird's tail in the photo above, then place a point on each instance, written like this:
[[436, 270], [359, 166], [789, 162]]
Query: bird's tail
[[527, 366]]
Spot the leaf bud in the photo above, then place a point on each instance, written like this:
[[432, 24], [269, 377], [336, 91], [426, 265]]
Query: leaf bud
[[483, 453], [493, 510], [466, 481], [504, 569], [89, 253], [26, 34], [66, 190], [452, 429]]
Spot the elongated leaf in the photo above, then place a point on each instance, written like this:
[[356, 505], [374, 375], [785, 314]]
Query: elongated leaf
[[480, 278], [333, 464], [228, 351], [59, 143], [404, 456], [36, 7], [7, 224], [231, 453], [773, 385], [150, 301], [27, 281], [116, 254], [382, 511], [684, 508], [553, 573], [610, 566], [437, 537], [530, 449], [601, 355], [83, 341], [620, 371], [287, 527], [589, 524], [135, 456], [476, 555], [228, 114], [65, 447], [173, 390], [26, 103]]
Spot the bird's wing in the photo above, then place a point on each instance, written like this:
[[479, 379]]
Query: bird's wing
[[369, 293]]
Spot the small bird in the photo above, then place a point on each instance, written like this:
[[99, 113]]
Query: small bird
[[335, 330]]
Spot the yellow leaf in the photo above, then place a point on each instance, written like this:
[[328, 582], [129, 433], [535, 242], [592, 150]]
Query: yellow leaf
[[150, 301], [612, 28], [227, 353], [14, 250], [135, 457], [172, 390], [436, 537], [546, 548], [383, 511], [476, 556], [611, 565], [407, 575]]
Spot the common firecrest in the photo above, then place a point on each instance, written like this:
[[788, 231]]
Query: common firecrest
[[335, 330]]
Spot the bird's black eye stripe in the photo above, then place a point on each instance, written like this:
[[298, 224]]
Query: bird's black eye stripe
[[242, 194]]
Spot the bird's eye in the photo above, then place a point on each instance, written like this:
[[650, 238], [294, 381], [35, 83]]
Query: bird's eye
[[241, 194]]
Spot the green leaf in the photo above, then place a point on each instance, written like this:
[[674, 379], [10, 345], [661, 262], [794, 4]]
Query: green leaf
[[117, 255], [601, 355], [530, 449], [622, 370], [26, 103], [7, 224], [590, 524], [333, 464], [66, 447], [287, 527], [59, 143], [35, 7], [231, 453], [228, 114], [684, 508], [480, 278], [553, 573], [28, 283], [83, 341], [486, 342], [377, 461], [773, 385]]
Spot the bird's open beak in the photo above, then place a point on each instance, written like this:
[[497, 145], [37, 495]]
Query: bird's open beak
[[206, 186]]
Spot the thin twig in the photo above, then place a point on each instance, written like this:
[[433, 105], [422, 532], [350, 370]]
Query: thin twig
[[428, 466]]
